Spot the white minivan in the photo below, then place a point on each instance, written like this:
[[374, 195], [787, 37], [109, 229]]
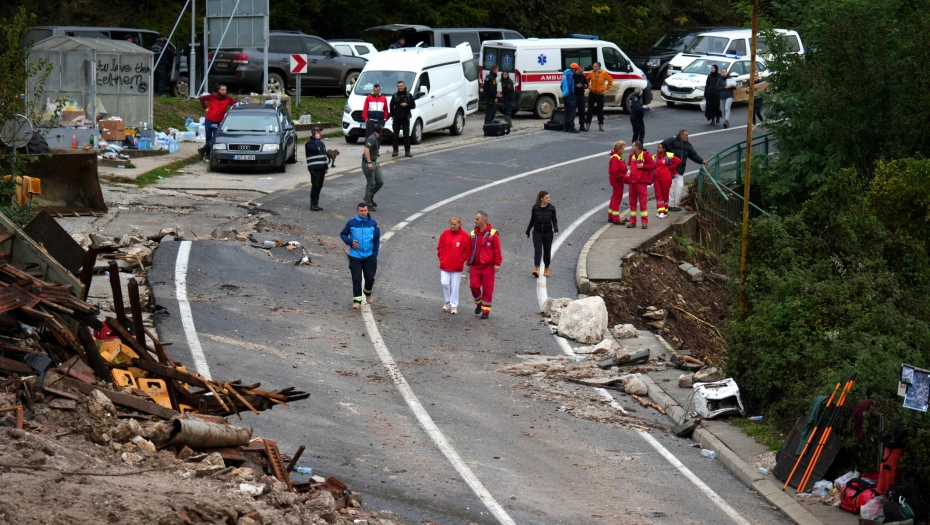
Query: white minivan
[[443, 80], [536, 66], [735, 44]]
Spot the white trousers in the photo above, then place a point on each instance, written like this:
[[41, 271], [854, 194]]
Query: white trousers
[[450, 286]]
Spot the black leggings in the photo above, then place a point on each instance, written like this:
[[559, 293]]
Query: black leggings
[[757, 111], [542, 248]]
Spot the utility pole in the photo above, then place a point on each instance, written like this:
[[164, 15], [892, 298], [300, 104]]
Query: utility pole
[[752, 96], [192, 59]]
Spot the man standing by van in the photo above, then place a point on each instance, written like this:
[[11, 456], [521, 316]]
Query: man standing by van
[[375, 111], [401, 104], [599, 82], [568, 98], [490, 95], [581, 84]]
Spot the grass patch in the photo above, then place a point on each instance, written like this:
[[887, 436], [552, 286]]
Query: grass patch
[[761, 432], [163, 172], [326, 109], [172, 112]]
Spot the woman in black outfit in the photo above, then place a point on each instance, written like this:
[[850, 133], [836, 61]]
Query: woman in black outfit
[[712, 96], [545, 225]]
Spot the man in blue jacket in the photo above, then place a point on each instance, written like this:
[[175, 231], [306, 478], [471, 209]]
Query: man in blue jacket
[[568, 97], [364, 239]]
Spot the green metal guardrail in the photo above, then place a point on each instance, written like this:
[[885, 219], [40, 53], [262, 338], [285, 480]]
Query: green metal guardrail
[[714, 195]]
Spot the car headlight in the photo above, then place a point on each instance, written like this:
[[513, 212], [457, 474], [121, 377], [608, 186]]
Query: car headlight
[[699, 88], [653, 62], [347, 109], [271, 147], [219, 146]]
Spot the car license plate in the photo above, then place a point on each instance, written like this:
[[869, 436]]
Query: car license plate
[[361, 126], [678, 95], [243, 157], [222, 66]]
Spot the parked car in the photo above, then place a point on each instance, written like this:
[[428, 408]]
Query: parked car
[[143, 37], [654, 61], [255, 136], [354, 48], [536, 66], [328, 70], [421, 36], [687, 87], [735, 43], [443, 81]]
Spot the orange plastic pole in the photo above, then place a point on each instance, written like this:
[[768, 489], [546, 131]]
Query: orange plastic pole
[[810, 438], [826, 435]]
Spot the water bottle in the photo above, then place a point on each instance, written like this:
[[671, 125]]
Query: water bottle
[[708, 453], [73, 141], [763, 470], [304, 470], [188, 123], [145, 126], [91, 141], [756, 418]]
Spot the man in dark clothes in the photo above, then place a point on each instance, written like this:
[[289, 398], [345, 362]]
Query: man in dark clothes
[[508, 96], [401, 104], [490, 95], [581, 84], [316, 165], [638, 115], [163, 69], [399, 44], [679, 145]]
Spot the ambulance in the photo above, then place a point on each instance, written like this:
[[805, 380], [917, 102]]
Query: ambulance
[[536, 64]]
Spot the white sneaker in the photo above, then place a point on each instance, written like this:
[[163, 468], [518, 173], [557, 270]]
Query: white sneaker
[[445, 307]]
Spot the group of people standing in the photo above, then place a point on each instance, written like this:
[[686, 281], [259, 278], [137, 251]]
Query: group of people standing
[[503, 103], [574, 85], [718, 97]]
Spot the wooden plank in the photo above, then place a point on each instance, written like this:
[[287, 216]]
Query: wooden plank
[[135, 308], [136, 403], [166, 372], [244, 402], [128, 339], [116, 286], [15, 367]]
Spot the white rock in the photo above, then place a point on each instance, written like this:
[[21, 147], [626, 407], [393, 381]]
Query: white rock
[[104, 402], [603, 347], [131, 457], [709, 375], [654, 314], [555, 307], [634, 384], [255, 489], [584, 320], [625, 331], [686, 381], [146, 447]]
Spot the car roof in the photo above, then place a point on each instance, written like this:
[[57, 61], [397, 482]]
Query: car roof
[[347, 40], [256, 108], [97, 28], [547, 42], [741, 33], [699, 30]]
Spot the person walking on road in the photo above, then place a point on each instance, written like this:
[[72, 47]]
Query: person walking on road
[[484, 261], [725, 86], [641, 172], [317, 165], [216, 105], [666, 164], [489, 90], [362, 235], [638, 115], [599, 82], [454, 249], [401, 104], [508, 96], [683, 149], [568, 98], [371, 167], [375, 111], [545, 225], [581, 84], [618, 180], [761, 86], [712, 97]]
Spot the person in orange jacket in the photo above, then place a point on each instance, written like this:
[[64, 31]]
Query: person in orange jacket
[[453, 250], [485, 261], [618, 179], [666, 166], [642, 168], [599, 82]]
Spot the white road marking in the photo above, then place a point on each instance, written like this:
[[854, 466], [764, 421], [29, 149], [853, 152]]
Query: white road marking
[[187, 319], [427, 422]]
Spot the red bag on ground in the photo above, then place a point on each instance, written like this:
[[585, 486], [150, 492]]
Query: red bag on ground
[[888, 472], [856, 493]]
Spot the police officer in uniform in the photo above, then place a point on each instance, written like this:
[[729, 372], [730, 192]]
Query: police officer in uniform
[[401, 104], [490, 95], [508, 95], [316, 165]]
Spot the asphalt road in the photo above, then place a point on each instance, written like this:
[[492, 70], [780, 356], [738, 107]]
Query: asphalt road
[[261, 318]]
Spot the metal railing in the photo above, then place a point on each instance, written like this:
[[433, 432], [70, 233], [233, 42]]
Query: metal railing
[[715, 195]]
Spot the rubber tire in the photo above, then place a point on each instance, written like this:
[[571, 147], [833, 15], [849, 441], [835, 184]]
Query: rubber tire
[[647, 96], [37, 145], [214, 166], [625, 102], [293, 158], [182, 88], [277, 80], [458, 124], [351, 77], [282, 168], [416, 132], [669, 104], [351, 139], [541, 105]]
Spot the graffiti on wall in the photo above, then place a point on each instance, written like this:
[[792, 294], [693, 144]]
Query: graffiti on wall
[[133, 76]]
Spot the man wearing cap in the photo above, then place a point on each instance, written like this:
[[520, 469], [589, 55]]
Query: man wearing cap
[[370, 166], [316, 165], [568, 97]]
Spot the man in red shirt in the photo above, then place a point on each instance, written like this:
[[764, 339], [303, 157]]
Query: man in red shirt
[[485, 261], [216, 104], [642, 168], [375, 110]]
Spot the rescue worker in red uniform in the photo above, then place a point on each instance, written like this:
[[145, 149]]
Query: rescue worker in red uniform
[[666, 167], [642, 168], [618, 178], [485, 261]]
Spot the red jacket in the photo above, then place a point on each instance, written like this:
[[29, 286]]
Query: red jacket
[[375, 108], [641, 175], [485, 247], [665, 167], [617, 170], [218, 105], [454, 249]]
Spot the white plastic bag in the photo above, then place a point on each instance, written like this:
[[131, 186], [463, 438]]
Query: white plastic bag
[[822, 487], [841, 481], [872, 510], [703, 105], [674, 194]]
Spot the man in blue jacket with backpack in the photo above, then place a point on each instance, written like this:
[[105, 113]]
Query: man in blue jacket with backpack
[[363, 236], [568, 97]]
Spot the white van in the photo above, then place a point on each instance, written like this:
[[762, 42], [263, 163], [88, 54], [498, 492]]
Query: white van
[[735, 44], [536, 66], [444, 82]]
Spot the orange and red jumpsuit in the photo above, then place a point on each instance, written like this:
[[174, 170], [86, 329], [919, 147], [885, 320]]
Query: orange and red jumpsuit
[[640, 179], [485, 255], [665, 169], [618, 178]]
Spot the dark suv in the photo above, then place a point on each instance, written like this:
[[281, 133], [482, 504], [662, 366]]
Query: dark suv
[[327, 70], [654, 62], [255, 136]]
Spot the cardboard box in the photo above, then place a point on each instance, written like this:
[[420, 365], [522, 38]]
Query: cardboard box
[[112, 130], [68, 116]]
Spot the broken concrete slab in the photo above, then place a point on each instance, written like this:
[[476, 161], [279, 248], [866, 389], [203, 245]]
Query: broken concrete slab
[[634, 384], [604, 347], [693, 272], [584, 320]]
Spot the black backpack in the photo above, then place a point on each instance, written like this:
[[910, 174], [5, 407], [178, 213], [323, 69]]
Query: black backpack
[[908, 492]]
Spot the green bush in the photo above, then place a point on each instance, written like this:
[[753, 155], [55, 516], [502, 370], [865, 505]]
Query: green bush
[[839, 287]]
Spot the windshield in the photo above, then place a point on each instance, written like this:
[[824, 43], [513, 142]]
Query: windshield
[[674, 41], [250, 122], [703, 45], [387, 79], [701, 66]]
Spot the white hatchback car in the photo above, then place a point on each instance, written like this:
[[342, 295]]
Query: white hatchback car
[[354, 48], [687, 87]]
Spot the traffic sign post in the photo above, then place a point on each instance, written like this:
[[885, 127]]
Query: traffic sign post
[[298, 67]]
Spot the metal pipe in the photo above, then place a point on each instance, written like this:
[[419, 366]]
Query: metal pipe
[[220, 43], [752, 95], [19, 414], [171, 35], [192, 59], [204, 434]]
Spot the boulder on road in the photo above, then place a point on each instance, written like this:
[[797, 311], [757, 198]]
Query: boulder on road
[[603, 347], [709, 375], [553, 308], [584, 320], [625, 331], [686, 381], [634, 384]]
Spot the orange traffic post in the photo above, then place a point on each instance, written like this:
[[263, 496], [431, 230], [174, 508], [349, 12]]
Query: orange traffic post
[[810, 438], [826, 435]]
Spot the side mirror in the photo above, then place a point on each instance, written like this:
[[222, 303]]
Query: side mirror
[[629, 68], [423, 91]]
